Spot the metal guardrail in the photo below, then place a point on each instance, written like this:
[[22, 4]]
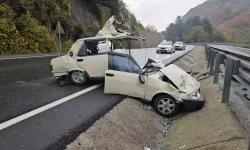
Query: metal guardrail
[[237, 65], [176, 57], [228, 44]]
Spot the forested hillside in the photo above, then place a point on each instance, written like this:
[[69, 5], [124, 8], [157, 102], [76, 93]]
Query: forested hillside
[[194, 30], [27, 26], [238, 27], [229, 16]]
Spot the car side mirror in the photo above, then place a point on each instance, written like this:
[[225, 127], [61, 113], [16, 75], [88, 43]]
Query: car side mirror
[[142, 78]]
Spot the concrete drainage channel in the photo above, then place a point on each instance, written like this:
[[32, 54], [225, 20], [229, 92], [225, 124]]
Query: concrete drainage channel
[[125, 127]]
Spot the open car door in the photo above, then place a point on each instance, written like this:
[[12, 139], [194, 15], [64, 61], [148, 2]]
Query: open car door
[[123, 76]]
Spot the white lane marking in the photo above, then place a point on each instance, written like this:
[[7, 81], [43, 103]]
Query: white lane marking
[[46, 107]]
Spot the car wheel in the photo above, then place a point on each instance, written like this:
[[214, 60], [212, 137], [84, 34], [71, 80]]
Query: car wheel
[[165, 105], [78, 77]]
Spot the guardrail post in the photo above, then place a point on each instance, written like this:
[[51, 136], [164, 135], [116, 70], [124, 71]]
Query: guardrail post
[[236, 69], [209, 57], [212, 62], [206, 51], [217, 67], [227, 79]]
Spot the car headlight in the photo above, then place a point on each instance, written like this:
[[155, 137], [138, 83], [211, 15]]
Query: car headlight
[[194, 95]]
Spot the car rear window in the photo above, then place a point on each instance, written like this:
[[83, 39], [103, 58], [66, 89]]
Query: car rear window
[[82, 51]]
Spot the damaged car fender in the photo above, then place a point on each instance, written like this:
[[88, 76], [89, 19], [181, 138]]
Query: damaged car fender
[[156, 86]]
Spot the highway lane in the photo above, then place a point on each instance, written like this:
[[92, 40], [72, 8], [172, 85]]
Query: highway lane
[[32, 87], [29, 84], [57, 127]]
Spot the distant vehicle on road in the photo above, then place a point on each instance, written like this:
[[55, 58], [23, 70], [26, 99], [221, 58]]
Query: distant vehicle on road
[[165, 47], [164, 87], [179, 45], [102, 46]]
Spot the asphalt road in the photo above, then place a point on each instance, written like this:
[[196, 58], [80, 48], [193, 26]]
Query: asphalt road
[[29, 85]]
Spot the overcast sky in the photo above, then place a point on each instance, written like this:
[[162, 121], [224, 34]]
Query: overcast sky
[[160, 13]]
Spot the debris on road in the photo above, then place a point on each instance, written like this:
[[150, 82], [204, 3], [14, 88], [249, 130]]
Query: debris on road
[[182, 147]]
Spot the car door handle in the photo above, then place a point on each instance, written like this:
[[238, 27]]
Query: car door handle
[[110, 74], [79, 60]]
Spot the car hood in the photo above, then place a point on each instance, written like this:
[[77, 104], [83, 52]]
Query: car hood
[[184, 81], [178, 45], [165, 46]]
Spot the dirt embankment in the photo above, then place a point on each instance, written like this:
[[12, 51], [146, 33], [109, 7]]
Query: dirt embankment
[[134, 125]]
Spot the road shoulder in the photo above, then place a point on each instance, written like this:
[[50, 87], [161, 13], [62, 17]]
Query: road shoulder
[[130, 125], [214, 127]]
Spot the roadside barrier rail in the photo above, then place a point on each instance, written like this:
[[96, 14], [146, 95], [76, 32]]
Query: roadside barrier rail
[[236, 61]]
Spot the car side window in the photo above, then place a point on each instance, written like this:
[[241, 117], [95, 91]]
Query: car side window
[[82, 51], [124, 64]]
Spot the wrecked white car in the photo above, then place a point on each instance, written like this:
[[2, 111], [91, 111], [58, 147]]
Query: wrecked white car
[[88, 58], [165, 88]]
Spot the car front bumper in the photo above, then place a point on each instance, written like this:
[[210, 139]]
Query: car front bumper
[[179, 48], [195, 103], [164, 50]]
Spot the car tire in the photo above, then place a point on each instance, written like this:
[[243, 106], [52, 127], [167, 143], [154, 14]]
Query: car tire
[[165, 105], [78, 77]]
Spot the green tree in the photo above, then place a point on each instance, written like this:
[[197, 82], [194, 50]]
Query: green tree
[[38, 37], [197, 34], [171, 32], [218, 37], [8, 30], [179, 28], [208, 27]]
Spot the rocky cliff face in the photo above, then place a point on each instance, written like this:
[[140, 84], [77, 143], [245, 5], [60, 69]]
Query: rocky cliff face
[[85, 13]]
